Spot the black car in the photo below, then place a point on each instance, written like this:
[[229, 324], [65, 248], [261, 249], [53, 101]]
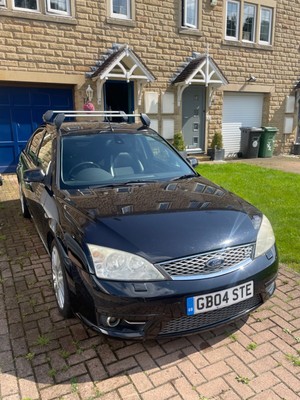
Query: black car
[[141, 245]]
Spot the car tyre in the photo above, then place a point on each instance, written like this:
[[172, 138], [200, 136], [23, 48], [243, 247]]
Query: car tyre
[[60, 285], [24, 207]]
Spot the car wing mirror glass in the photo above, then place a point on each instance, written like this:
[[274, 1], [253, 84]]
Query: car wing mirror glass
[[193, 161], [34, 175]]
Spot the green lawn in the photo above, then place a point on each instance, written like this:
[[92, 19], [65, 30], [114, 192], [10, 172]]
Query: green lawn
[[275, 193]]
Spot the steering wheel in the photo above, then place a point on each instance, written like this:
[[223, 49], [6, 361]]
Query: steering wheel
[[82, 165]]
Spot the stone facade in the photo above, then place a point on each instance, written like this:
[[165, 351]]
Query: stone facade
[[43, 49]]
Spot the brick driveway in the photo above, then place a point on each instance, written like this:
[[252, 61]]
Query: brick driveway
[[44, 357]]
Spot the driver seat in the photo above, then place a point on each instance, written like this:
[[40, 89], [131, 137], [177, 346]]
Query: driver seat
[[125, 164]]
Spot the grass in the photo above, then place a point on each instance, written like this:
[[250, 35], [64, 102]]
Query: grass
[[275, 193], [252, 346], [42, 340]]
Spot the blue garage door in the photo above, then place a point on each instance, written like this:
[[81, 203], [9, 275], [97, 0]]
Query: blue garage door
[[21, 111]]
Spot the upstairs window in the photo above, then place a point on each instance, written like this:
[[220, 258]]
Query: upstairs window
[[265, 25], [249, 18], [121, 9], [45, 7], [58, 6], [249, 22], [190, 14], [232, 19], [28, 5]]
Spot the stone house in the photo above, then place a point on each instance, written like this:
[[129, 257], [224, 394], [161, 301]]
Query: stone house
[[196, 66]]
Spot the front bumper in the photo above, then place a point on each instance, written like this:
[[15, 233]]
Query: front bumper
[[131, 310]]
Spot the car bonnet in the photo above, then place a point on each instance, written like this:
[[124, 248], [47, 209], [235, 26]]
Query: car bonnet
[[162, 221]]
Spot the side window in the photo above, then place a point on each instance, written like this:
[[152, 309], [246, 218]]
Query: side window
[[26, 4], [265, 25], [34, 145], [232, 19], [121, 9], [45, 152], [190, 13], [58, 6]]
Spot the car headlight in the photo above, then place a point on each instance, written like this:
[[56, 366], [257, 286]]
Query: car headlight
[[265, 238], [119, 265]]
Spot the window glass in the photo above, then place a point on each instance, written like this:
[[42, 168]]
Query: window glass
[[232, 19], [121, 8], [265, 25], [35, 143], [190, 11], [59, 6], [45, 152], [26, 4], [249, 22], [108, 159]]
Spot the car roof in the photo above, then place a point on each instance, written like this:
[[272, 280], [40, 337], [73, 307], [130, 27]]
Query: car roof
[[95, 121]]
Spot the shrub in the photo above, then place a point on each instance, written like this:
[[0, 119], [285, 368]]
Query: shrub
[[178, 142], [217, 141]]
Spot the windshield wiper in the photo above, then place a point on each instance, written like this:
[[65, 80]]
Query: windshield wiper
[[178, 178], [136, 182]]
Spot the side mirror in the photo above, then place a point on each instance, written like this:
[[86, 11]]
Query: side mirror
[[193, 161], [34, 175]]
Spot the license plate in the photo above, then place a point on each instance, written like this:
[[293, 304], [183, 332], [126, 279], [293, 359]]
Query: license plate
[[221, 299]]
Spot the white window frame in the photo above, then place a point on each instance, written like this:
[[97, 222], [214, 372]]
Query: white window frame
[[2, 3], [27, 9], [259, 9], [122, 16], [236, 37], [60, 12], [254, 25], [185, 23], [270, 25]]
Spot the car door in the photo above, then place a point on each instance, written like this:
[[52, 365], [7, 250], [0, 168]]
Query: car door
[[43, 195], [38, 155], [28, 160]]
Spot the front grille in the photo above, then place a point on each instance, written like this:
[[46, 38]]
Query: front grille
[[206, 320], [203, 263]]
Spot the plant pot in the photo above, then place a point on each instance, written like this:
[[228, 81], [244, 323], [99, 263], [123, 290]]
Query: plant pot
[[216, 154]]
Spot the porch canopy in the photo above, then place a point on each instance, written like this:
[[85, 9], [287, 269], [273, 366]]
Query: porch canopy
[[200, 70], [121, 63]]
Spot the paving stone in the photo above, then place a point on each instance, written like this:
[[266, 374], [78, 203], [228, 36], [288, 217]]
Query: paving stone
[[78, 364]]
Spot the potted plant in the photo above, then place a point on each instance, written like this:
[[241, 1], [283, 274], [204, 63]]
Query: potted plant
[[216, 152], [178, 143]]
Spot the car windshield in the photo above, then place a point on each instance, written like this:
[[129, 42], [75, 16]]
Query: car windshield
[[111, 158]]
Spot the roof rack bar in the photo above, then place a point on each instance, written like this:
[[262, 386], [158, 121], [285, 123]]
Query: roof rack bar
[[86, 112], [83, 114], [62, 114]]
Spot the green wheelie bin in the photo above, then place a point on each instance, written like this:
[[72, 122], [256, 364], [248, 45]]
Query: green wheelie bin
[[267, 140]]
